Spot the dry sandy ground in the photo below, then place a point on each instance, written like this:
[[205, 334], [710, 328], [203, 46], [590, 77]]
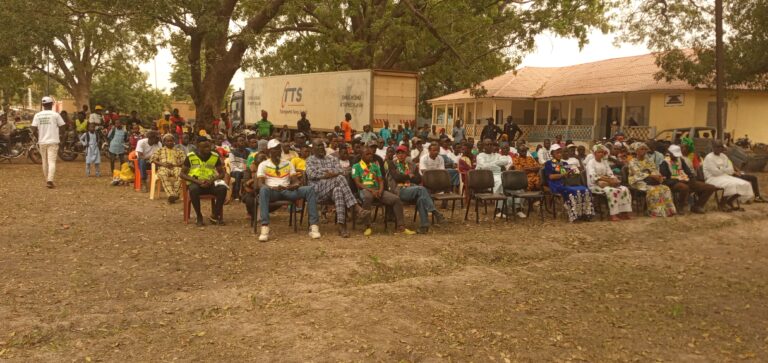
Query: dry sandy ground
[[98, 273]]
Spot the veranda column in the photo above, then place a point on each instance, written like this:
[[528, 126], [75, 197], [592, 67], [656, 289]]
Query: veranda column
[[493, 113], [595, 121], [474, 124], [549, 112], [623, 110]]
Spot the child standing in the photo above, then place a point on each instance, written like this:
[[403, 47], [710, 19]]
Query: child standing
[[91, 140], [135, 136], [117, 137]]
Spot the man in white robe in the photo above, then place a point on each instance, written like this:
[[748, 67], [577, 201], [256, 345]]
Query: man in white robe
[[718, 171], [491, 160]]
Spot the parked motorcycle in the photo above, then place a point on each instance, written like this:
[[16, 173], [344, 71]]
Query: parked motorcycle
[[71, 147], [23, 143]]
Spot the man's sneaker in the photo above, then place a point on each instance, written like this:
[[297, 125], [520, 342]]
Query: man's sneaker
[[314, 232], [408, 232], [423, 230], [520, 214], [264, 236], [368, 232]]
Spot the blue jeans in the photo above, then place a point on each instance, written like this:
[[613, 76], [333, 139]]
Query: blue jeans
[[454, 174], [267, 195], [424, 203], [143, 164]]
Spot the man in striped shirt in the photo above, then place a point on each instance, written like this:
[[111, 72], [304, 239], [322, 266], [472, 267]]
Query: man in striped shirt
[[277, 180]]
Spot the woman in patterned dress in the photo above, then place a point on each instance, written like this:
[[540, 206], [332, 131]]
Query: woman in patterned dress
[[601, 180], [645, 176]]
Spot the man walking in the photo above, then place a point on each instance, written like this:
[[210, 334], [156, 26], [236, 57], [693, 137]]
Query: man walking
[[45, 125]]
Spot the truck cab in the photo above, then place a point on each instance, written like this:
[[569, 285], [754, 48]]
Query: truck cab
[[237, 108]]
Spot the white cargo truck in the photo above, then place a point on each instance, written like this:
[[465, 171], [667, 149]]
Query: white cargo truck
[[370, 96]]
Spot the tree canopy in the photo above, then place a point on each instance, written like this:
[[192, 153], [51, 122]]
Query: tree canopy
[[123, 87], [682, 31], [77, 37], [452, 43], [212, 37]]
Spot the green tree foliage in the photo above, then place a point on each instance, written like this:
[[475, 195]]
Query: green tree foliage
[[123, 87], [212, 37], [682, 31], [77, 38], [13, 85], [452, 43]]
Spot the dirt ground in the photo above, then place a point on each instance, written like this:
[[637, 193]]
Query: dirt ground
[[92, 273]]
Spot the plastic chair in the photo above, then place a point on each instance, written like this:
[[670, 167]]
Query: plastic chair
[[438, 182], [598, 200], [137, 175], [187, 201], [512, 182], [480, 187], [273, 206], [550, 198], [719, 193], [154, 187]]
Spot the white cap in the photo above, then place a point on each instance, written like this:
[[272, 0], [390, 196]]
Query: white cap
[[47, 99], [273, 143], [166, 113], [554, 147], [675, 150]]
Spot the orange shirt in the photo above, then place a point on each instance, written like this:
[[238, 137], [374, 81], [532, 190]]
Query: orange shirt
[[347, 128]]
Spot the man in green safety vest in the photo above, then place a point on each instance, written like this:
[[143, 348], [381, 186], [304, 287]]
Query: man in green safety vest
[[204, 173]]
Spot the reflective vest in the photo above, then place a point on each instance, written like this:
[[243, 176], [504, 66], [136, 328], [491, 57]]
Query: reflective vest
[[203, 170]]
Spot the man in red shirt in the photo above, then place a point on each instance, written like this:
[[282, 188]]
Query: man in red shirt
[[346, 127], [178, 122]]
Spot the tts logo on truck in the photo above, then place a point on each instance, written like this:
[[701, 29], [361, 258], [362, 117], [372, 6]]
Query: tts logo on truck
[[291, 96]]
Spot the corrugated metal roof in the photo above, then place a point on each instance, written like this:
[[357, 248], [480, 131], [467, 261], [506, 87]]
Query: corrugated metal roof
[[629, 74]]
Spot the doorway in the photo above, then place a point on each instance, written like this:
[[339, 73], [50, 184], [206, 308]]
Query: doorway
[[607, 116]]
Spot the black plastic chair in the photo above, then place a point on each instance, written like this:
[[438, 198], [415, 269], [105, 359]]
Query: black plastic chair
[[438, 182], [480, 188], [719, 193], [550, 199], [513, 182], [273, 206]]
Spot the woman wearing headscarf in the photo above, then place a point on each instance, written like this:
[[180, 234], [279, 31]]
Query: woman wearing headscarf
[[169, 161], [600, 179], [577, 198], [645, 176], [689, 151]]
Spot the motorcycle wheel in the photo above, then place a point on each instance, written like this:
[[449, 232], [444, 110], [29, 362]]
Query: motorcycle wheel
[[67, 155], [34, 156]]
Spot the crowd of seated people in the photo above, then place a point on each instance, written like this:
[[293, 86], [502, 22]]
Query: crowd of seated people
[[346, 177]]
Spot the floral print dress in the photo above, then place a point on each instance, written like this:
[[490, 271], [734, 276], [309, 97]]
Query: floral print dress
[[619, 199], [658, 197]]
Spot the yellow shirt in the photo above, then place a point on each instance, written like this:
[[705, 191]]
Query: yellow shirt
[[161, 123], [299, 163]]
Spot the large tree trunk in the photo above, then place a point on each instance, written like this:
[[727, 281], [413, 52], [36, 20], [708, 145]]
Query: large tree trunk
[[210, 97], [81, 92]]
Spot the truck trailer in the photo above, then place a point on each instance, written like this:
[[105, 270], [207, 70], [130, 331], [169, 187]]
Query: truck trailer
[[370, 96]]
